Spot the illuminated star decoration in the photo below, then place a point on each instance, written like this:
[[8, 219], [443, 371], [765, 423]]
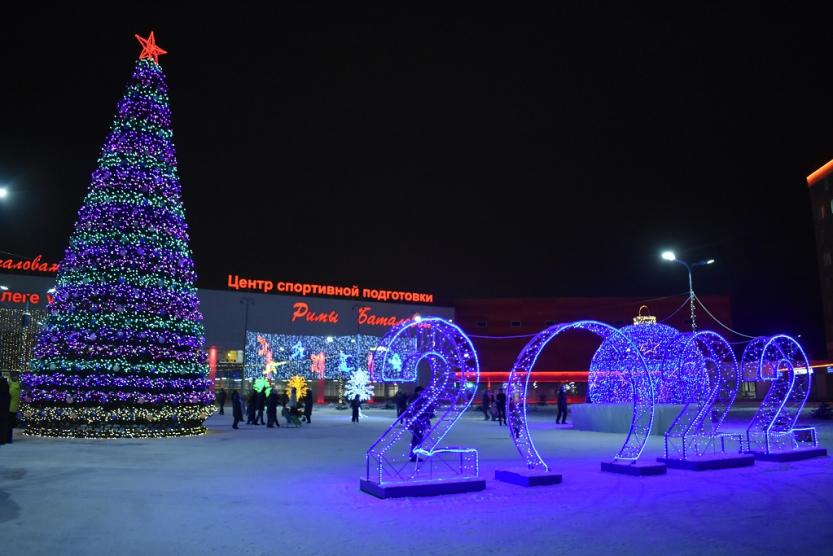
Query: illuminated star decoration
[[149, 48]]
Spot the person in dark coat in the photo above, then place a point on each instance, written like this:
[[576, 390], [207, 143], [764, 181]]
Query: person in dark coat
[[236, 409], [562, 405], [501, 407], [421, 423], [401, 402], [261, 405], [308, 401], [487, 403], [272, 410], [251, 404], [356, 404], [5, 402], [221, 399]]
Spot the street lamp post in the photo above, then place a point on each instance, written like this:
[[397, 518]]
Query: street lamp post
[[670, 256]]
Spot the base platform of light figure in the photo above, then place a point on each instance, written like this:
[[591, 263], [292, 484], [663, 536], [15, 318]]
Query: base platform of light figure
[[407, 459]]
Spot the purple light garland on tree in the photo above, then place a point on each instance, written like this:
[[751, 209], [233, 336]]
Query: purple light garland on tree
[[121, 354]]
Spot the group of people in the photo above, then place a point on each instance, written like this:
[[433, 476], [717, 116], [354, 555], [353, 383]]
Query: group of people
[[9, 402], [494, 406], [258, 401]]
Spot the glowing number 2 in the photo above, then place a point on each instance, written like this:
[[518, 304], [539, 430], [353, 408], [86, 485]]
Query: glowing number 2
[[705, 365], [782, 361], [409, 450]]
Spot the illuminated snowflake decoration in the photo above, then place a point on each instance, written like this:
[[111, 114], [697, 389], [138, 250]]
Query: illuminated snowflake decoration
[[359, 384]]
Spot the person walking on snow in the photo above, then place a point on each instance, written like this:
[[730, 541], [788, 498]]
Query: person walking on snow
[[356, 404], [261, 405], [293, 402], [236, 409], [487, 403], [221, 399], [272, 410], [308, 401], [501, 407], [401, 402], [562, 405], [250, 409]]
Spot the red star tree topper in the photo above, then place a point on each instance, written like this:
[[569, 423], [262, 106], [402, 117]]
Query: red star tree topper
[[149, 48]]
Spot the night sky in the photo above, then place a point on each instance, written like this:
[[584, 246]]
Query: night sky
[[497, 155]]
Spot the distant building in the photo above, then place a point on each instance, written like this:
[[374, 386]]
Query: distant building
[[820, 183]]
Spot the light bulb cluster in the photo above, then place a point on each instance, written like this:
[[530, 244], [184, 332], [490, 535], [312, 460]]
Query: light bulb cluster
[[122, 353], [124, 298], [142, 383], [50, 365]]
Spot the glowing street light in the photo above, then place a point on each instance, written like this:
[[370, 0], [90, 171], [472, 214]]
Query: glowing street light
[[4, 192], [670, 256]]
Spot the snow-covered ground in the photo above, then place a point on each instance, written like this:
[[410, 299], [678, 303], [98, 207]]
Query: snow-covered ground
[[296, 491]]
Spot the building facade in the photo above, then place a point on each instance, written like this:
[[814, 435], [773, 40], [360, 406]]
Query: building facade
[[251, 330]]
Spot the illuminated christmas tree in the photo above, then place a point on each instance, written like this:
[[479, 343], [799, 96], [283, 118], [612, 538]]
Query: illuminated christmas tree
[[121, 354]]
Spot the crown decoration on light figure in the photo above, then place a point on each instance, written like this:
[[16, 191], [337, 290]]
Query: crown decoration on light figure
[[644, 319]]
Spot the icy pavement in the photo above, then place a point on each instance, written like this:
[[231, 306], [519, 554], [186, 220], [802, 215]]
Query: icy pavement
[[296, 491]]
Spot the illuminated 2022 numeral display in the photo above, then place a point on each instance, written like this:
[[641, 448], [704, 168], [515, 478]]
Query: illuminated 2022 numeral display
[[409, 450]]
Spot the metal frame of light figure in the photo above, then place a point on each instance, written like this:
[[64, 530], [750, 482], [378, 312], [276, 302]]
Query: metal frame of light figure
[[399, 457], [625, 357], [710, 379], [781, 360]]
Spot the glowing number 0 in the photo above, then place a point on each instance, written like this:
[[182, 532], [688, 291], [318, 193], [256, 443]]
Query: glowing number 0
[[619, 353], [406, 460]]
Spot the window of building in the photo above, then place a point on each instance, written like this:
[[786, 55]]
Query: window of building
[[515, 324], [748, 391], [482, 324]]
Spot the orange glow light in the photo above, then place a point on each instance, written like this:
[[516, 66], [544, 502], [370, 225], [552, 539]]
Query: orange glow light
[[820, 174]]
